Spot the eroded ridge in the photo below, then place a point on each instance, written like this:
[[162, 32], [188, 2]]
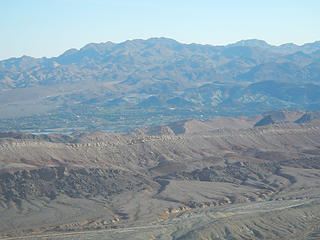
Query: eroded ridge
[[221, 183]]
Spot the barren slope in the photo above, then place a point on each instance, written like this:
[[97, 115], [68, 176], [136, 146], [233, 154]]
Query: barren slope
[[220, 183]]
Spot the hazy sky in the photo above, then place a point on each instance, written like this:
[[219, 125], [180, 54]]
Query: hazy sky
[[49, 27]]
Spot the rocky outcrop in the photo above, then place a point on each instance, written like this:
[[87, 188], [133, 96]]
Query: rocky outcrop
[[49, 182], [267, 120], [308, 117]]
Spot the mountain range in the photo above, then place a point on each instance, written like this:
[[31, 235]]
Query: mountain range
[[144, 82]]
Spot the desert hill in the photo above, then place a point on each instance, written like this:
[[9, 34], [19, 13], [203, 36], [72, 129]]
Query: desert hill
[[172, 184]]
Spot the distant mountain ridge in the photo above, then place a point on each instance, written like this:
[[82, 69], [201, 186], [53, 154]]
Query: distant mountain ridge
[[108, 83], [285, 48], [163, 59]]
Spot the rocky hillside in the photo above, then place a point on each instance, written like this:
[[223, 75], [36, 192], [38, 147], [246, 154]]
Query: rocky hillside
[[164, 183]]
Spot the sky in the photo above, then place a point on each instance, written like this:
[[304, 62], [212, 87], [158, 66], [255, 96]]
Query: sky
[[46, 28]]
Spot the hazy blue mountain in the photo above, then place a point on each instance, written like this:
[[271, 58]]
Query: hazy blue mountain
[[287, 48], [157, 59], [156, 80]]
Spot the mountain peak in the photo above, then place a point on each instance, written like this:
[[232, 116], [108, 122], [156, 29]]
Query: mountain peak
[[69, 52], [161, 39], [98, 47], [251, 43]]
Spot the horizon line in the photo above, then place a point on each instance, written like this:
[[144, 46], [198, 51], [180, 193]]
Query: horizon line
[[167, 38]]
